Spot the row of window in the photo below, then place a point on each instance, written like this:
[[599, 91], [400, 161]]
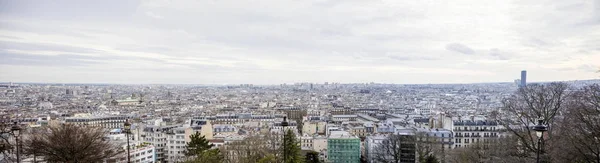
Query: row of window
[[477, 135], [177, 147], [476, 128], [178, 136], [177, 142]]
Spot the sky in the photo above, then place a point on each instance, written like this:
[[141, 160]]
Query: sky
[[289, 41]]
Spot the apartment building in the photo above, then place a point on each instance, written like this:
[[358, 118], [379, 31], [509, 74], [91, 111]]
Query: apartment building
[[108, 122], [157, 136], [343, 147], [139, 152], [468, 132], [175, 144]]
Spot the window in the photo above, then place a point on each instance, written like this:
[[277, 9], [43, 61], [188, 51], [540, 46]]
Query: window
[[466, 140]]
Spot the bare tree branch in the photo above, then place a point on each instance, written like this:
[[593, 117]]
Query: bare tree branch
[[71, 143]]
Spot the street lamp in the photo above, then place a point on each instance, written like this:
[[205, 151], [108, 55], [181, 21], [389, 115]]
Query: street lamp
[[16, 130], [127, 128], [283, 125], [539, 129]]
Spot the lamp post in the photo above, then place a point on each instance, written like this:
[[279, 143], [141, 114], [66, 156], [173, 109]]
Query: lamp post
[[127, 128], [539, 129], [283, 125], [16, 131], [597, 155]]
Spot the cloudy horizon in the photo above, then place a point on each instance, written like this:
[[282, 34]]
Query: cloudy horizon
[[290, 41]]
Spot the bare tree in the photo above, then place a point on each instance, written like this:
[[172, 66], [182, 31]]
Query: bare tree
[[493, 150], [522, 110], [253, 149], [579, 131], [71, 143], [6, 145], [396, 149]]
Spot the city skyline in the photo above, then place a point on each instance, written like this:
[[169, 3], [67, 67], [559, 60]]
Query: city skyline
[[274, 42]]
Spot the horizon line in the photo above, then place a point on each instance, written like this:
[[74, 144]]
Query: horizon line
[[292, 83]]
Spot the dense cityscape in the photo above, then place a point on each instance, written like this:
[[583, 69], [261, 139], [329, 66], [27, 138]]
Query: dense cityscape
[[339, 122]]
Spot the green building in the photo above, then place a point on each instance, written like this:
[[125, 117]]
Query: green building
[[342, 147]]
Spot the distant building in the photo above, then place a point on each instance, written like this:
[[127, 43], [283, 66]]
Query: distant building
[[343, 147], [108, 122], [294, 113], [313, 127], [523, 78], [127, 102]]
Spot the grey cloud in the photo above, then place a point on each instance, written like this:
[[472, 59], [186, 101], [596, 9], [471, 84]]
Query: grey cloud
[[40, 60], [43, 30], [408, 58], [33, 59], [540, 43], [239, 68], [588, 68], [74, 10], [45, 47], [497, 54], [149, 49], [460, 48], [10, 37], [581, 68]]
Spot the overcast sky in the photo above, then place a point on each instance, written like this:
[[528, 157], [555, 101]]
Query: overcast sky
[[286, 41]]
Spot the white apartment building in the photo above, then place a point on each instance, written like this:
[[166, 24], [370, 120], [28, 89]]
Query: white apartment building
[[157, 136], [108, 122], [344, 118], [170, 141], [139, 152], [306, 142], [175, 144], [277, 128], [467, 132]]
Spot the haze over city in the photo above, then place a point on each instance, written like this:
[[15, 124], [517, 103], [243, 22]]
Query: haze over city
[[274, 41]]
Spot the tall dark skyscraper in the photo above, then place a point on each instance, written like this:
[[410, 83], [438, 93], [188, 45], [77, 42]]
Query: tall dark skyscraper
[[523, 78]]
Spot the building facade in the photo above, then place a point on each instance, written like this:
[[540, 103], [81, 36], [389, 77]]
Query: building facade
[[342, 147], [468, 132]]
